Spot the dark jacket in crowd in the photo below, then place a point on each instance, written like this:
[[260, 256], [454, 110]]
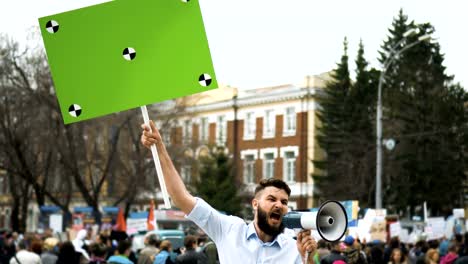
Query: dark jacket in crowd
[[191, 257], [334, 256]]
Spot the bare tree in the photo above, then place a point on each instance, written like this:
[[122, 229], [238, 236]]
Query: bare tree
[[27, 149]]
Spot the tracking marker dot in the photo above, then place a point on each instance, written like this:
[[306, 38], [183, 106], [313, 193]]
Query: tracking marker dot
[[204, 80], [74, 110], [52, 26], [129, 54]]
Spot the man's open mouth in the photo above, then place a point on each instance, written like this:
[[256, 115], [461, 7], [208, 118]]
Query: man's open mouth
[[275, 216]]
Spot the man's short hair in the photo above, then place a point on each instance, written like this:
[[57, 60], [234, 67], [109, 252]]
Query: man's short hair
[[190, 241], [272, 182], [152, 240], [98, 250], [123, 246], [23, 244]]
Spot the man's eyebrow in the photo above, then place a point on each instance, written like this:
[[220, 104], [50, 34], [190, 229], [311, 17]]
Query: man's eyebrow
[[274, 197]]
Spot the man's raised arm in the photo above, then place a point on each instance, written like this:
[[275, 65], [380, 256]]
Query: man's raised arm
[[175, 186]]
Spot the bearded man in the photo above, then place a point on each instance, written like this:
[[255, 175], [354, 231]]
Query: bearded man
[[261, 241]]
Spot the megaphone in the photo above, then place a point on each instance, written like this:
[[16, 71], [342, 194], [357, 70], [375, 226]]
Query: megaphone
[[330, 220]]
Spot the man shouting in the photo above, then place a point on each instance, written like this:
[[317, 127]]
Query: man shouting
[[261, 241]]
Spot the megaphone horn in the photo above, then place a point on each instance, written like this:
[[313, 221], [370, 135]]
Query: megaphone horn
[[330, 220]]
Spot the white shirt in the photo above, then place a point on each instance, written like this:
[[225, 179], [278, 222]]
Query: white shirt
[[238, 242], [26, 257]]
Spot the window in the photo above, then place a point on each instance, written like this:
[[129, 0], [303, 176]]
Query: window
[[204, 129], [268, 166], [249, 126], [249, 169], [187, 132], [2, 184], [186, 173], [6, 224], [289, 166], [6, 183], [290, 121], [221, 130], [269, 123]]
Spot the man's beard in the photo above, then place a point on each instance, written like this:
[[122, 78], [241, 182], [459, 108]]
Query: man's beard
[[265, 226]]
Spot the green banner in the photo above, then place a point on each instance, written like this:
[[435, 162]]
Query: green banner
[[119, 55]]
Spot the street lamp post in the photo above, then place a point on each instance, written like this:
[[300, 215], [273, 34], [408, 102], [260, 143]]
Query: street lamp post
[[394, 52]]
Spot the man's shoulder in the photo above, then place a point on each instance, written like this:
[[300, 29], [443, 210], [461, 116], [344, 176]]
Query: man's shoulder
[[201, 206], [149, 250], [29, 256], [189, 254]]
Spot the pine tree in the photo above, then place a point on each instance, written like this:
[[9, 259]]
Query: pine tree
[[333, 117], [423, 109], [216, 184], [362, 100], [346, 134]]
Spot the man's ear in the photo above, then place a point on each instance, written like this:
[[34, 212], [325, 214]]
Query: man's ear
[[254, 204]]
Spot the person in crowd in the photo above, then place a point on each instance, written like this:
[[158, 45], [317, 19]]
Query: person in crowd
[[104, 239], [164, 255], [417, 254], [397, 257], [236, 241], [335, 254], [23, 256], [7, 247], [191, 256], [211, 252], [443, 246], [98, 253], [79, 244], [376, 252], [323, 250], [432, 256], [463, 250], [352, 251], [151, 249], [68, 255], [451, 255], [392, 244], [123, 251], [36, 246], [49, 255]]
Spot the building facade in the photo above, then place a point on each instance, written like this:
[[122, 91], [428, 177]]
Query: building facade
[[269, 132]]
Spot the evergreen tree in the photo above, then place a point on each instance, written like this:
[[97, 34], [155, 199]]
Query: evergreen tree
[[424, 110], [216, 184], [362, 100], [333, 117], [346, 134]]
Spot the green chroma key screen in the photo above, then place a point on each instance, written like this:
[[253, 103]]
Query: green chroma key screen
[[119, 55]]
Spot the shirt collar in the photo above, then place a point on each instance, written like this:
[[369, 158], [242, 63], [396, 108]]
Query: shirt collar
[[279, 240]]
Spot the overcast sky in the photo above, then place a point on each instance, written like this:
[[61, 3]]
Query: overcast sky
[[257, 43]]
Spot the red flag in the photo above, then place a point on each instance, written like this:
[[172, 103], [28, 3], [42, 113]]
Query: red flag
[[120, 225], [151, 221]]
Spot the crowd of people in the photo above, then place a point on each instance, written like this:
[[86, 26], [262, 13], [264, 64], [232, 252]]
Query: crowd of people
[[354, 251], [103, 248]]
